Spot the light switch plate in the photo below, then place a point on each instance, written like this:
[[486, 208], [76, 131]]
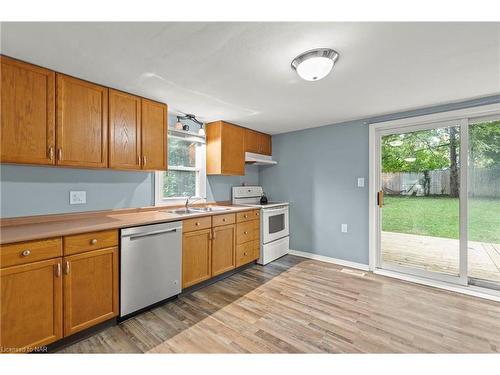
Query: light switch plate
[[361, 182], [77, 197], [343, 228]]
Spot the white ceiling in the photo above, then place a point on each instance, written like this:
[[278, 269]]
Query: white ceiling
[[240, 72]]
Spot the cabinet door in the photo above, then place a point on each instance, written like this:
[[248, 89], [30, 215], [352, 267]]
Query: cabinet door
[[223, 249], [196, 257], [154, 135], [90, 289], [266, 144], [31, 305], [252, 141], [124, 130], [28, 113], [233, 150], [82, 123]]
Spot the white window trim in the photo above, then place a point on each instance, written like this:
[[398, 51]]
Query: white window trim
[[201, 193]]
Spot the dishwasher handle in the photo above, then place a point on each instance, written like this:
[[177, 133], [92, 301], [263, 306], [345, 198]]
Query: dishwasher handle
[[152, 233]]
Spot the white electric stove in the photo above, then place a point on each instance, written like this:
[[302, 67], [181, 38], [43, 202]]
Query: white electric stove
[[275, 236]]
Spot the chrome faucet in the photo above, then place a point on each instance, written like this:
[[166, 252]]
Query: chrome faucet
[[187, 201]]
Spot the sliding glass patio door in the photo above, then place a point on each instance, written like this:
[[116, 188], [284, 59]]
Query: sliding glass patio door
[[419, 201], [484, 203], [438, 204]]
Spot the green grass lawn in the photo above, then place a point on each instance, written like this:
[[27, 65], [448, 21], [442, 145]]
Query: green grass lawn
[[438, 217]]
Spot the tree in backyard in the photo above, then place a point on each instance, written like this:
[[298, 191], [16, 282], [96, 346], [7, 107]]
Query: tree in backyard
[[418, 152], [484, 152], [454, 180], [433, 149]]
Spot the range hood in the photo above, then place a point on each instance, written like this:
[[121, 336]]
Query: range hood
[[258, 159]]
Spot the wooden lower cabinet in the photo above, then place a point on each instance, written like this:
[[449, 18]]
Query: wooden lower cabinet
[[31, 305], [223, 249], [196, 257], [90, 289], [225, 242]]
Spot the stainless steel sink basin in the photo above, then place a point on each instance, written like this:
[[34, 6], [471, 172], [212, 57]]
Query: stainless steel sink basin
[[183, 211], [195, 210], [210, 209]]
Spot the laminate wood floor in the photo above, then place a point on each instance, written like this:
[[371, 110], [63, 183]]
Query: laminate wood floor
[[297, 305]]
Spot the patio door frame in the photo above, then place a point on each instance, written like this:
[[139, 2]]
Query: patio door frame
[[442, 119]]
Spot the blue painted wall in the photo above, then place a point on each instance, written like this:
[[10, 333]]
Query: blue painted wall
[[317, 173], [27, 190]]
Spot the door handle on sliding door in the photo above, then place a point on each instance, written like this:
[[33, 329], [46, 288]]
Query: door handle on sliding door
[[380, 198]]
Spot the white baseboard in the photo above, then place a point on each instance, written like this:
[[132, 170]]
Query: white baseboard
[[326, 259]]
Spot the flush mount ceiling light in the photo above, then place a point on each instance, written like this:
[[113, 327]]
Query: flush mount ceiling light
[[315, 64]]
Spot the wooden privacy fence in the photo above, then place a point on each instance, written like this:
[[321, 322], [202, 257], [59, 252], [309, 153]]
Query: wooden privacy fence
[[483, 182]]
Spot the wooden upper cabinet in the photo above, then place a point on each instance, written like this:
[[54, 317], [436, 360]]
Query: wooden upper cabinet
[[266, 141], [31, 305], [81, 123], [90, 289], [257, 142], [28, 113], [124, 130], [252, 141], [154, 135], [225, 149]]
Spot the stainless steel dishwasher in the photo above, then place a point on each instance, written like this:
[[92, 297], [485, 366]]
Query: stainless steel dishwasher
[[151, 265]]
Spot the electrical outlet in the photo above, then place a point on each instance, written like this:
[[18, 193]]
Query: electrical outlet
[[77, 197], [361, 182], [343, 228]]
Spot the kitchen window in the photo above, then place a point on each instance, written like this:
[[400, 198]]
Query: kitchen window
[[186, 175]]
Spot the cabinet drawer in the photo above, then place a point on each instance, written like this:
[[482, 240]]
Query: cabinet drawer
[[245, 253], [196, 224], [31, 251], [80, 243], [245, 232], [247, 216], [227, 219]]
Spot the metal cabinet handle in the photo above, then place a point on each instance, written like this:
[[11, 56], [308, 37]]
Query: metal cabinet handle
[[224, 219], [146, 234], [245, 216], [58, 269], [143, 160], [197, 223], [93, 241], [139, 159], [245, 232], [51, 153], [26, 253], [59, 154], [66, 268], [245, 253], [214, 235]]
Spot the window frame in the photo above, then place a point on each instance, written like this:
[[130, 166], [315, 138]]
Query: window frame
[[200, 169]]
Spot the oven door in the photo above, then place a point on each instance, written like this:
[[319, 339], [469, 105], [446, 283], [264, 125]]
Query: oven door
[[274, 223]]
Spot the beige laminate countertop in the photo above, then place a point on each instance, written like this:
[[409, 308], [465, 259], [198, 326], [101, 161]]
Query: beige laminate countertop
[[85, 222]]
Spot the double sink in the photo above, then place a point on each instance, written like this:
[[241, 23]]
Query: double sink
[[197, 210]]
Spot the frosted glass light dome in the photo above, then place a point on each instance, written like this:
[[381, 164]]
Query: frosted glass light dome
[[315, 64]]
